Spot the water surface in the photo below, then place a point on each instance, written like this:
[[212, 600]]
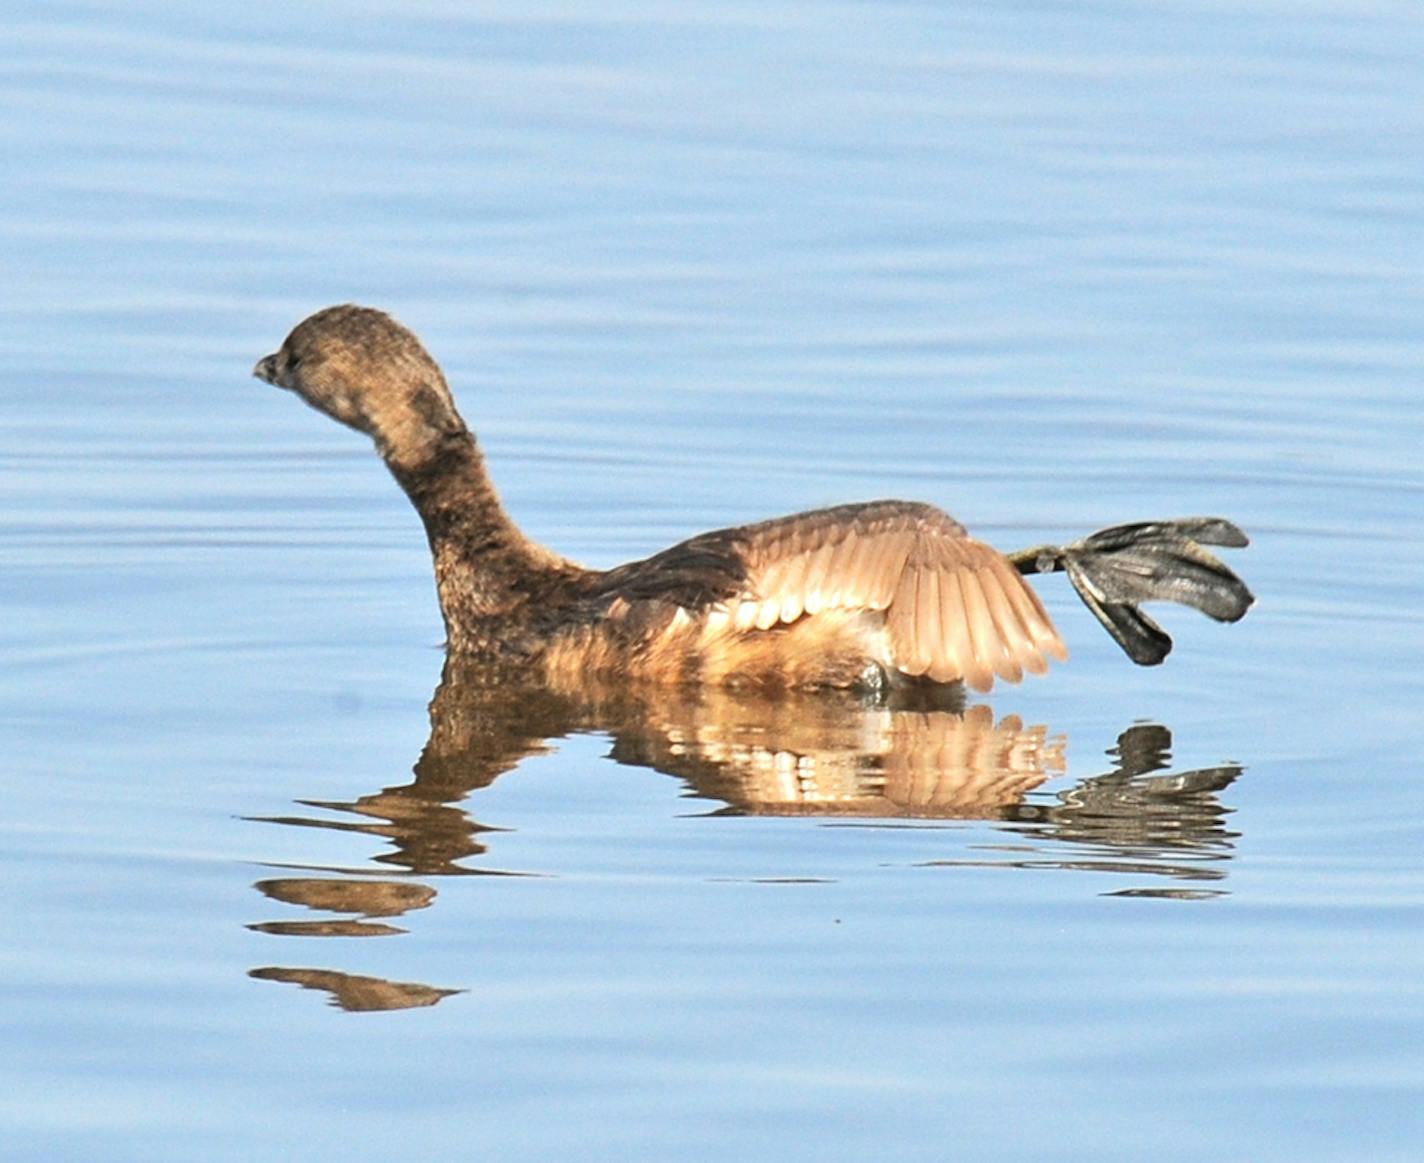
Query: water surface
[[279, 886]]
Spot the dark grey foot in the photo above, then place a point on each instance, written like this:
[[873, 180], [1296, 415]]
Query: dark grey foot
[[1114, 570]]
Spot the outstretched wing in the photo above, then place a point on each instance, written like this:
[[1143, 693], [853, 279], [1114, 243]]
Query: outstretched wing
[[954, 608]]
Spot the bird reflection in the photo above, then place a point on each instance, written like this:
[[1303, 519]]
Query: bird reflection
[[917, 755], [367, 898], [357, 994]]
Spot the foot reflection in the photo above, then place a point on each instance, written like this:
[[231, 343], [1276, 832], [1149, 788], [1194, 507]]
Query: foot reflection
[[824, 754], [1131, 821]]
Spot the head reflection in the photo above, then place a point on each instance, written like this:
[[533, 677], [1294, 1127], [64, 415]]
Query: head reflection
[[819, 754]]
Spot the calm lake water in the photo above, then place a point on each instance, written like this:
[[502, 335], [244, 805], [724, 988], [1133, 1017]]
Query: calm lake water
[[275, 890]]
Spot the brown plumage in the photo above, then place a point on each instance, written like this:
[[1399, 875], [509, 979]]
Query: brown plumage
[[886, 591]]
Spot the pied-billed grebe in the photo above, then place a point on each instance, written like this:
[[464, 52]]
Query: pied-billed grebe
[[865, 594]]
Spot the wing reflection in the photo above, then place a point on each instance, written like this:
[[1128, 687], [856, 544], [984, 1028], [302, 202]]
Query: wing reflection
[[824, 754], [827, 757]]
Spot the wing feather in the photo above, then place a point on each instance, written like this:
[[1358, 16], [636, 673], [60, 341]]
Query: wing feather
[[939, 628], [792, 588], [910, 656], [894, 557], [991, 646], [818, 583], [957, 649], [841, 576], [928, 620], [1018, 645]]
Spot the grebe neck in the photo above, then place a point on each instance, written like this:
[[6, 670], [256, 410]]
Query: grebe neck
[[486, 570]]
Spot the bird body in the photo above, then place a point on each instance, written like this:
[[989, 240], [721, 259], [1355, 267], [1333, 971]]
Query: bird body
[[883, 592], [851, 595]]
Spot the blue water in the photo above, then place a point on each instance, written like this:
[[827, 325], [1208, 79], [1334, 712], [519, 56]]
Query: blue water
[[1048, 266]]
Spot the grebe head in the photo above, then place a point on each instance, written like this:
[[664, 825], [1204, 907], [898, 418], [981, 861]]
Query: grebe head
[[361, 367]]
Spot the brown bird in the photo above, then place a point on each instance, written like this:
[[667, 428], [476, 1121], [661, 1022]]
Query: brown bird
[[884, 593]]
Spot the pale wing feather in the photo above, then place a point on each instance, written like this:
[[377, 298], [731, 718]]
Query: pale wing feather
[[931, 590], [1011, 633], [955, 657], [842, 581], [925, 638], [857, 583], [793, 587], [818, 587], [988, 640], [768, 615], [892, 565], [924, 585], [1031, 612], [911, 657], [770, 591], [1025, 617]]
